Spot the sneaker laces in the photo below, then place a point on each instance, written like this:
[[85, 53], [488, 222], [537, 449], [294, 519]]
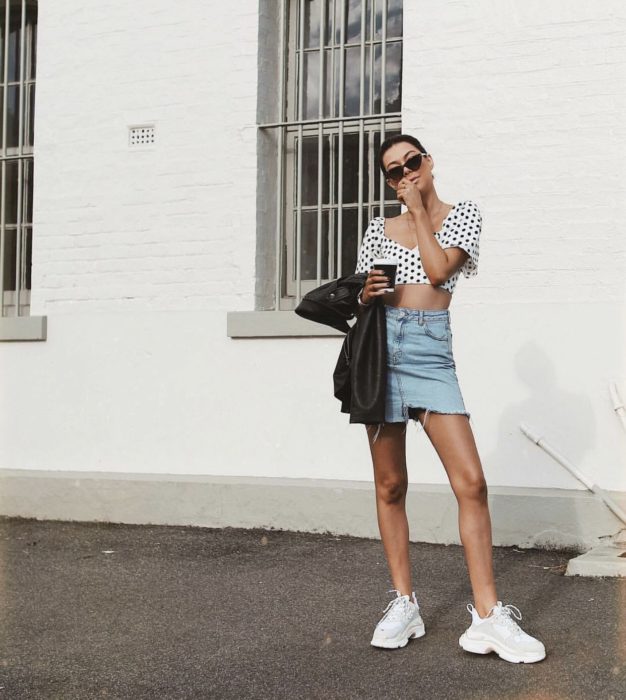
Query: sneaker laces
[[505, 614], [396, 608]]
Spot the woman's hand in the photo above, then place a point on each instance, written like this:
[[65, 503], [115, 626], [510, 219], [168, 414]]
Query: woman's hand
[[374, 286], [408, 193]]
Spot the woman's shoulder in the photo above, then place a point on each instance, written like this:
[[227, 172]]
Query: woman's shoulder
[[376, 225], [468, 205], [468, 211]]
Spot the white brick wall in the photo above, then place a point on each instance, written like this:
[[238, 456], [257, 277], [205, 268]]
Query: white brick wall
[[138, 255], [520, 104], [167, 228]]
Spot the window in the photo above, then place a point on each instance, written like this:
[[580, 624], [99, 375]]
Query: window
[[337, 95], [18, 31]]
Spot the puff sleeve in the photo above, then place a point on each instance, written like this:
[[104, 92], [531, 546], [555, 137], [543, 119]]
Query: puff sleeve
[[464, 232], [370, 248]]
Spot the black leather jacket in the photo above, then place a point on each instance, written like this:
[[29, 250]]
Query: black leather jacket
[[360, 376]]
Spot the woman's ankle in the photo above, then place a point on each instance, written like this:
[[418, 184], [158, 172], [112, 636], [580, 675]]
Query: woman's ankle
[[484, 611]]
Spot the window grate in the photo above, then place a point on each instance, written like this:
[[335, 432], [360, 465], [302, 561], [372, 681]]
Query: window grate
[[18, 39], [339, 94]]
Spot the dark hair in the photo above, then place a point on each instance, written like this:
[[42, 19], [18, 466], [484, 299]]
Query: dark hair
[[398, 138]]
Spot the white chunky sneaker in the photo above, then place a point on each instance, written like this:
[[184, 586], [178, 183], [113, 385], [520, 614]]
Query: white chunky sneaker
[[500, 633], [401, 621]]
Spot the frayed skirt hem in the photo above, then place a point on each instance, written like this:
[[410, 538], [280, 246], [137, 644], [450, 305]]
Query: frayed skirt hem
[[408, 417]]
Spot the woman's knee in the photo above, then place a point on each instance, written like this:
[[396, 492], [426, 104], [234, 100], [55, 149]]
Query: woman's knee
[[472, 487], [391, 490]]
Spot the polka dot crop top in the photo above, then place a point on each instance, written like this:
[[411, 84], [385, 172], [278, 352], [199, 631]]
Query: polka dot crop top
[[461, 228]]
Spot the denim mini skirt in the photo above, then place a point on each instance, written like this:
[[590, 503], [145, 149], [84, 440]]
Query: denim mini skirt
[[421, 372]]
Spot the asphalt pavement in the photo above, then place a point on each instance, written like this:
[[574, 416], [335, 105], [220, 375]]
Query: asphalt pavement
[[94, 610]]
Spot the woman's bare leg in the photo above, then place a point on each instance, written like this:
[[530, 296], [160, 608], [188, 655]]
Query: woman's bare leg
[[391, 481], [451, 436]]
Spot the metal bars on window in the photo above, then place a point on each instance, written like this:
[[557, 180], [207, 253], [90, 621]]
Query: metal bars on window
[[339, 95], [18, 40]]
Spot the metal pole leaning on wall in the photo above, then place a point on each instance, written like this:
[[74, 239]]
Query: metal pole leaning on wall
[[594, 488]]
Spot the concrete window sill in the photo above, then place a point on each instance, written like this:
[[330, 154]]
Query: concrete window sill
[[275, 324], [15, 328]]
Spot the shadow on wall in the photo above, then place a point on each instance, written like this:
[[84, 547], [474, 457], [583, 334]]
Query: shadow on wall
[[566, 420]]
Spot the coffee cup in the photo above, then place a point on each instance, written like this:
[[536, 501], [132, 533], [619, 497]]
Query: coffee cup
[[388, 267]]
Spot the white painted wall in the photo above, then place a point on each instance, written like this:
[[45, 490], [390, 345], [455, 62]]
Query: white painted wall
[[138, 256]]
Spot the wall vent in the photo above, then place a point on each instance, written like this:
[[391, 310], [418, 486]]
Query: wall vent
[[141, 135]]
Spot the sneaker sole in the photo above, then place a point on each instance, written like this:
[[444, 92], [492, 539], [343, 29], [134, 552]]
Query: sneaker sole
[[477, 646], [398, 642]]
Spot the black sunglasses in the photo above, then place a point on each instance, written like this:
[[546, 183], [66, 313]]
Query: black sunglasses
[[396, 173]]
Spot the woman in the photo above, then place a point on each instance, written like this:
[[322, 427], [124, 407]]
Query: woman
[[432, 242]]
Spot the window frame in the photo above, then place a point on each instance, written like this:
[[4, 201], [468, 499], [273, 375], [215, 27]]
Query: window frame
[[16, 323]]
